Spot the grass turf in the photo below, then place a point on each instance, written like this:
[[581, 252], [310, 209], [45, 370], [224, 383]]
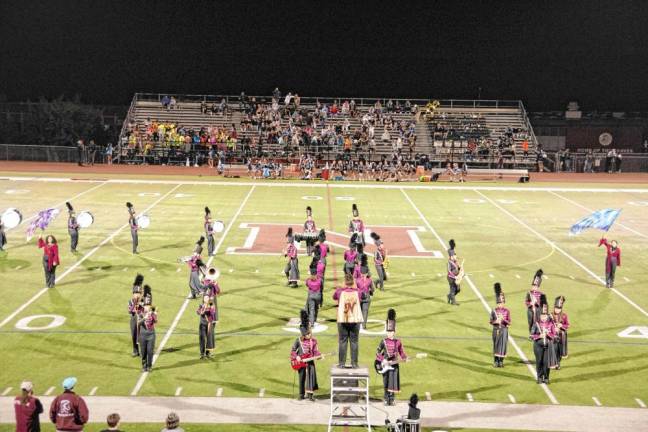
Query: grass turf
[[252, 349]]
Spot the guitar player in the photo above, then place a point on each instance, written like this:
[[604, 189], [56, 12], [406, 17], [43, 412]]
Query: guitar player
[[305, 347], [390, 352]]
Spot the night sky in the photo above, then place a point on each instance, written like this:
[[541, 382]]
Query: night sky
[[545, 53]]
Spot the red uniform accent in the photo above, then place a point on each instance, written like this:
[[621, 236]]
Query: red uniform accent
[[27, 414], [51, 251], [611, 254]]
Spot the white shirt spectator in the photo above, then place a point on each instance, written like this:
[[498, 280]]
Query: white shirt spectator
[[385, 136]]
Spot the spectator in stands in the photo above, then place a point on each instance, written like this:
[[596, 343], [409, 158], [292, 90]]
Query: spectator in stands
[[203, 107], [69, 411], [540, 155], [276, 94], [113, 423], [172, 423], [28, 409], [618, 162], [173, 103], [81, 152], [587, 164], [525, 148], [165, 101], [109, 153], [568, 160]]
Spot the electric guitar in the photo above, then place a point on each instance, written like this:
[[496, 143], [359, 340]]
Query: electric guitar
[[305, 359], [385, 365]]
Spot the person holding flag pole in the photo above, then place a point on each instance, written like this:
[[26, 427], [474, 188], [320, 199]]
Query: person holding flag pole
[[603, 220]]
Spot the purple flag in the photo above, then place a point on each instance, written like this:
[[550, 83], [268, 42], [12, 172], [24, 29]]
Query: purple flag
[[42, 221]]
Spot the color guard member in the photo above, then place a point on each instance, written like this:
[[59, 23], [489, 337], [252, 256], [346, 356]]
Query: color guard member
[[612, 260], [292, 265]]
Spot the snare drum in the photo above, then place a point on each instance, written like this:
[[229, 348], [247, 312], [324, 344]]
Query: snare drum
[[218, 226], [143, 221], [11, 218], [85, 219]]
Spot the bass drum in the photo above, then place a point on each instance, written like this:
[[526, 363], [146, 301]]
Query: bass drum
[[85, 219], [143, 221], [219, 226], [11, 218]]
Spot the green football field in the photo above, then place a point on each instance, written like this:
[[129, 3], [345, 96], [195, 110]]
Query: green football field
[[504, 234]]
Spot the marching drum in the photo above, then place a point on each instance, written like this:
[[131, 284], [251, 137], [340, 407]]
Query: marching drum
[[218, 226], [143, 221], [85, 219], [11, 218]]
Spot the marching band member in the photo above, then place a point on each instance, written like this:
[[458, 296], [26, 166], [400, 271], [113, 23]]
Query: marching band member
[[356, 226], [561, 320], [365, 289], [73, 228], [532, 300], [612, 260], [50, 258], [3, 236], [500, 319], [135, 309], [209, 232], [349, 317], [543, 332], [453, 273], [132, 222], [309, 228], [323, 247], [292, 266], [379, 261], [197, 268], [147, 336], [314, 298], [451, 249], [350, 256], [210, 284], [390, 349], [305, 346], [147, 297], [207, 313]]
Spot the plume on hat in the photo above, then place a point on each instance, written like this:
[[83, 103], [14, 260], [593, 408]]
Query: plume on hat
[[374, 236], [138, 280], [201, 240], [452, 244], [498, 289], [69, 206]]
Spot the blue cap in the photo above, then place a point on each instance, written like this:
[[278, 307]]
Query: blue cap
[[69, 383]]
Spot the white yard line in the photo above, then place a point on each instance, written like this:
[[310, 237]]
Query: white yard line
[[511, 398], [93, 391], [176, 320], [80, 261], [219, 392], [596, 401], [178, 391], [7, 391], [261, 392], [558, 248], [479, 295], [640, 403], [428, 396], [470, 398], [50, 391], [336, 185], [577, 204]]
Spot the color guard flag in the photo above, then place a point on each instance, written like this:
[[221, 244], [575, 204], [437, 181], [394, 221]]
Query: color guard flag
[[42, 221], [601, 219]]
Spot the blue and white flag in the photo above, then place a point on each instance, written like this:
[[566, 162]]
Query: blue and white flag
[[601, 219]]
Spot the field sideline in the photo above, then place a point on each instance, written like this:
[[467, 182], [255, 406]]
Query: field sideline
[[504, 232]]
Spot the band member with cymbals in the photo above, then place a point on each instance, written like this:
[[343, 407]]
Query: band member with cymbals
[[132, 222], [350, 256], [379, 261], [500, 319], [349, 317], [543, 332], [453, 272], [196, 267], [390, 349], [356, 226], [305, 346], [73, 228], [311, 230], [292, 265], [612, 260], [365, 288], [532, 299], [50, 258], [561, 320], [147, 336], [314, 297], [135, 309], [207, 313], [209, 232]]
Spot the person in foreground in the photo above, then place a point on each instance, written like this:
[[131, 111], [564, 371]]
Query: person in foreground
[[28, 409], [172, 423], [69, 411], [113, 423]]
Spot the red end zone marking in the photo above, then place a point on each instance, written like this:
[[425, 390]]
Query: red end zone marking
[[269, 239]]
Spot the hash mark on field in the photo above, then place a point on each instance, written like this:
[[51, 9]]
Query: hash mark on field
[[545, 277], [262, 392], [640, 402], [231, 270], [178, 391], [490, 275], [439, 274], [7, 390], [511, 398], [49, 391], [178, 270], [125, 268], [219, 392], [152, 269], [470, 397], [596, 401], [93, 391], [256, 271], [17, 267], [518, 276], [413, 274], [572, 277], [428, 396], [626, 279]]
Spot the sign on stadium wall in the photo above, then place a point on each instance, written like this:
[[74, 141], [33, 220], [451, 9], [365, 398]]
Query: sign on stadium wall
[[604, 137], [400, 241]]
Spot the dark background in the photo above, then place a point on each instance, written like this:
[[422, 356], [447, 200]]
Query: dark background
[[545, 53]]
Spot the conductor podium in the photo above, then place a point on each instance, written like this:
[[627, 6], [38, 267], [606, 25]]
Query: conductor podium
[[349, 398]]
